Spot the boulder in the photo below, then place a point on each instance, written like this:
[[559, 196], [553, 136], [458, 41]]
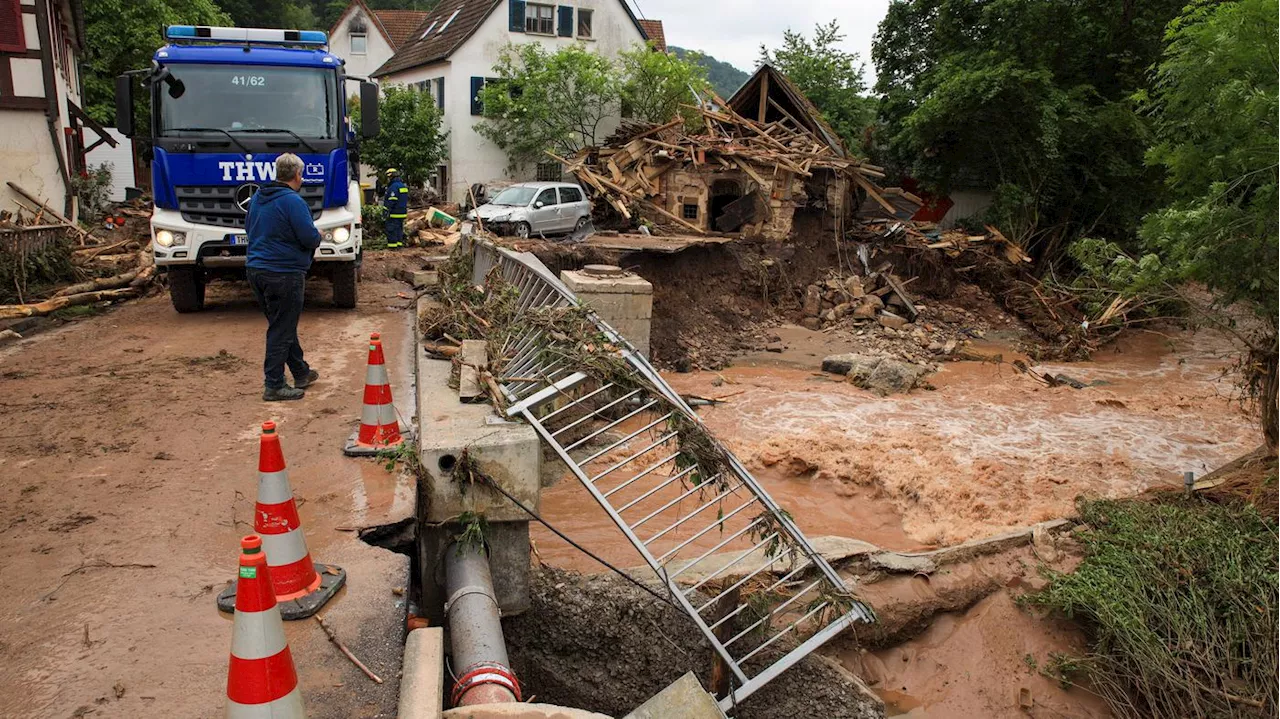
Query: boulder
[[864, 311], [892, 321], [775, 347], [874, 301], [853, 285], [892, 376], [811, 323], [843, 309]]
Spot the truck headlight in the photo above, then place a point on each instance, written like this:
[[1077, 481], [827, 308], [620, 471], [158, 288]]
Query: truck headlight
[[165, 238], [341, 235]]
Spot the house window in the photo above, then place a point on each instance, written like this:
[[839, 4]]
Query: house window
[[549, 172], [359, 44], [584, 23], [11, 35], [688, 211], [540, 19], [477, 84], [441, 181]]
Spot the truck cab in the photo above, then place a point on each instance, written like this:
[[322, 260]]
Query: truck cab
[[224, 104]]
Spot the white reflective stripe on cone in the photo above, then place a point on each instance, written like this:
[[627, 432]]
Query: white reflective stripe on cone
[[370, 414], [288, 706], [376, 375], [258, 635], [387, 415], [273, 487], [284, 548]]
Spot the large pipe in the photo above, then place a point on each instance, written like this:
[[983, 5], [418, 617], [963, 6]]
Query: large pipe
[[482, 671]]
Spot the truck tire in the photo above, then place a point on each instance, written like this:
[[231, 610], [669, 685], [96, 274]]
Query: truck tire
[[344, 280], [186, 289]]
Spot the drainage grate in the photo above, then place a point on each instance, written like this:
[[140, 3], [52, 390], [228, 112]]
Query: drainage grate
[[727, 553]]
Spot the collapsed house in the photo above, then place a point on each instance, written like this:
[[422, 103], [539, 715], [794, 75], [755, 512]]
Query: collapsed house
[[758, 163]]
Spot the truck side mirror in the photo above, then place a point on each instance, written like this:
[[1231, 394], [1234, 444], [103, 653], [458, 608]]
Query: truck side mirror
[[124, 105], [368, 109]]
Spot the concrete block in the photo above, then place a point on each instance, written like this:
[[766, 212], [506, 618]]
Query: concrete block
[[509, 453], [624, 301], [683, 699], [422, 676]]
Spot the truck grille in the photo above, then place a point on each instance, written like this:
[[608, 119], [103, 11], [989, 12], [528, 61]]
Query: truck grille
[[216, 204]]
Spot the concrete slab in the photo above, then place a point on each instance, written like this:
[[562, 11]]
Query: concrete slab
[[422, 677], [683, 699]]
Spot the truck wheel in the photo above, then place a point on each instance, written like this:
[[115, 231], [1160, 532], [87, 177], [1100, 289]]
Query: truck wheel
[[344, 285], [186, 289]]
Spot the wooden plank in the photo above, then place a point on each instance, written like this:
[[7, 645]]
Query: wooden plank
[[764, 95], [902, 295], [874, 194], [52, 212], [754, 175], [475, 358]]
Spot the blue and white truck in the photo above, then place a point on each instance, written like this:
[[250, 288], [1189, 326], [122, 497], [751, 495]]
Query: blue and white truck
[[223, 104]]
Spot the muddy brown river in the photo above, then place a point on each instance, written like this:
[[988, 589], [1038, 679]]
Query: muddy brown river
[[990, 449]]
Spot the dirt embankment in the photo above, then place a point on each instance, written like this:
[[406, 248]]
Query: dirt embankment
[[599, 643]]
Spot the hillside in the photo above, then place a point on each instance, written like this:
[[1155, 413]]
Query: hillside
[[725, 78]]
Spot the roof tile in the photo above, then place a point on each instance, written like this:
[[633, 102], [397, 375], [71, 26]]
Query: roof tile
[[653, 30], [400, 24]]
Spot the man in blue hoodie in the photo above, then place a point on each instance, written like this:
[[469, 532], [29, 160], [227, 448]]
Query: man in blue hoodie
[[282, 241]]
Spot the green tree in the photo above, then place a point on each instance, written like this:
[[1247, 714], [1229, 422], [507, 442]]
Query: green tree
[[1030, 99], [122, 35], [657, 86], [542, 100], [409, 137], [725, 79], [1215, 106], [830, 77]]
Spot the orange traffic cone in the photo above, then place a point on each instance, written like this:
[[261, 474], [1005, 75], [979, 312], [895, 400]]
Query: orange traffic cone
[[379, 426], [301, 586], [261, 681]]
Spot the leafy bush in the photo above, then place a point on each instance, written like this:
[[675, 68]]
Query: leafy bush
[[93, 188], [1180, 603]]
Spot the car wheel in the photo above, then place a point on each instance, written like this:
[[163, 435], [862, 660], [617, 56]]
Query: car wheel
[[582, 222], [522, 230]]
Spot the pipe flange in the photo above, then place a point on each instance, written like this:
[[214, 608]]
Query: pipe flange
[[485, 673], [467, 591]]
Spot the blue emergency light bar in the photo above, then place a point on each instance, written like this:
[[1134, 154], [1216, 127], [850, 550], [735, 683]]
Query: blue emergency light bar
[[202, 33]]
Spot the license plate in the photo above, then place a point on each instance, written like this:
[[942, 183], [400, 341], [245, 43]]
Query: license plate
[[236, 239]]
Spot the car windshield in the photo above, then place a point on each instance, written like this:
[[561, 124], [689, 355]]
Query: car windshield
[[245, 98], [516, 196]]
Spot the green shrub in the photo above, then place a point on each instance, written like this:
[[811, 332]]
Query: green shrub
[[1179, 600]]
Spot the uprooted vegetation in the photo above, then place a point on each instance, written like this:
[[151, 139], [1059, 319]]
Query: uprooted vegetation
[[1179, 598]]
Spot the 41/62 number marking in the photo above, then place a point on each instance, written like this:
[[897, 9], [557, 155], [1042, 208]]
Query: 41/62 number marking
[[249, 80]]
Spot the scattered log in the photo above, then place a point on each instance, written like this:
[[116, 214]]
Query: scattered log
[[101, 283], [39, 309]]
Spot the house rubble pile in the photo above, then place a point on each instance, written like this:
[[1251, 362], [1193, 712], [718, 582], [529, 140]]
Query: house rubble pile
[[738, 173]]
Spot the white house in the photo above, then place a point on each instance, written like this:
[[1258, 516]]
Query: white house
[[455, 47], [42, 139], [367, 38]]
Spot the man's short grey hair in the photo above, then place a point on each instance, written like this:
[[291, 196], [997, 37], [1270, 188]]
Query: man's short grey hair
[[288, 167]]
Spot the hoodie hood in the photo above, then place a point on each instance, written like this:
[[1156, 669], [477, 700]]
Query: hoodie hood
[[268, 194]]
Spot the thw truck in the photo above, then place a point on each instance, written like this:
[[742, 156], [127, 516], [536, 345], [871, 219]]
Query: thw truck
[[223, 104]]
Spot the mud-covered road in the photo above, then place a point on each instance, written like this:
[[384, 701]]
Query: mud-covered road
[[128, 460]]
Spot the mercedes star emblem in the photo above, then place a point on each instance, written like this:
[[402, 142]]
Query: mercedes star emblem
[[244, 194]]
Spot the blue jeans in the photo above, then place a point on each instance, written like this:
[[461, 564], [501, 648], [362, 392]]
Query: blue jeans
[[280, 295]]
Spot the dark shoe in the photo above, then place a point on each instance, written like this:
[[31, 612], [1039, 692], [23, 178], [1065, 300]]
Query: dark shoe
[[284, 393], [307, 381]]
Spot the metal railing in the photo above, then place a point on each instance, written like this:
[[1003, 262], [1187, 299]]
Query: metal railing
[[745, 574]]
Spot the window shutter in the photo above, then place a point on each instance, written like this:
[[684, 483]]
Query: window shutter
[[517, 15], [11, 35], [477, 107], [440, 94], [566, 21]]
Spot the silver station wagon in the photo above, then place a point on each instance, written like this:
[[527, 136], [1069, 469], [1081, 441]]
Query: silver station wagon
[[531, 209]]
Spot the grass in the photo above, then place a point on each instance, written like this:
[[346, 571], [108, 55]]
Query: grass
[[77, 312], [1179, 600]]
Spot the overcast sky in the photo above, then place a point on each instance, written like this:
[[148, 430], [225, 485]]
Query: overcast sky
[[734, 30]]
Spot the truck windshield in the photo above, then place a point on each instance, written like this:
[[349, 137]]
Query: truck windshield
[[245, 98]]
